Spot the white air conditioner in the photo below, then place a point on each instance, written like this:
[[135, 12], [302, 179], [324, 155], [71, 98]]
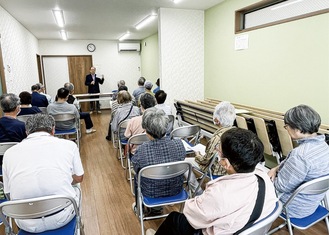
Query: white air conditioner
[[129, 46]]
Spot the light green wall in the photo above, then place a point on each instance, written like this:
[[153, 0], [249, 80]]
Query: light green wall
[[285, 65], [150, 58]]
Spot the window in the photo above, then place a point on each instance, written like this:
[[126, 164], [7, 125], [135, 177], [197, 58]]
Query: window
[[272, 12]]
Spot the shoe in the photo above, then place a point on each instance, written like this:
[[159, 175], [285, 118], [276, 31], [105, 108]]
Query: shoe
[[99, 111], [133, 206], [155, 211], [91, 112], [108, 138], [150, 231], [89, 131]]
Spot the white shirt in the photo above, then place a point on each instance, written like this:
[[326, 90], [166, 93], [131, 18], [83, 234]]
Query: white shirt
[[165, 108], [41, 165]]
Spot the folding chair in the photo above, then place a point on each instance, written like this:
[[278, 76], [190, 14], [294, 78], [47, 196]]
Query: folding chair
[[190, 134], [161, 172], [207, 173], [3, 148], [133, 140], [65, 117], [313, 187], [24, 118], [40, 207], [122, 141], [262, 226]]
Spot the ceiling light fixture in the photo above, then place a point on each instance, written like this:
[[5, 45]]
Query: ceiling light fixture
[[175, 1], [59, 17], [148, 19], [285, 5], [123, 37], [63, 34]]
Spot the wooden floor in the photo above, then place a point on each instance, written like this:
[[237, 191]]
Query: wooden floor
[[106, 205]]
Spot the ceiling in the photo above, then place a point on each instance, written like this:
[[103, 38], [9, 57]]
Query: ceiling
[[94, 19]]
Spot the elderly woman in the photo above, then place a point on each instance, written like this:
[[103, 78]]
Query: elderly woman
[[126, 110], [308, 161], [158, 150]]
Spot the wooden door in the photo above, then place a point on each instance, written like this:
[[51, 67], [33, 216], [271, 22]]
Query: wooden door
[[79, 67]]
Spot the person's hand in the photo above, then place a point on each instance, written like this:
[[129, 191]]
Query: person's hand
[[92, 83], [272, 173]]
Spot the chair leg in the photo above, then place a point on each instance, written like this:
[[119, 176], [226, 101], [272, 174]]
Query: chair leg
[[277, 228], [289, 227], [141, 214], [327, 223]]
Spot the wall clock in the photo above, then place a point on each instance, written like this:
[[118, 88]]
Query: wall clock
[[91, 47]]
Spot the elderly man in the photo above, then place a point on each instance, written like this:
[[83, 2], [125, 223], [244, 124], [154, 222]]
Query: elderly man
[[228, 201], [158, 150], [140, 90], [92, 81], [51, 170], [38, 99], [11, 129]]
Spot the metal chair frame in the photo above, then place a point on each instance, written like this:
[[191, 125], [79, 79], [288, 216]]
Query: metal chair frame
[[121, 142]]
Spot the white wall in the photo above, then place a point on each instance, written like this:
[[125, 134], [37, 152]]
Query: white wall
[[19, 49], [181, 43], [106, 58]]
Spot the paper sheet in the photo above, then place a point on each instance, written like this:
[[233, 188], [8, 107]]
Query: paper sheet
[[199, 147]]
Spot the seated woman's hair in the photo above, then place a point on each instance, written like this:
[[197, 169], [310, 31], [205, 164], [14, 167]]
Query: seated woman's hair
[[62, 93], [147, 100], [123, 88], [225, 113], [9, 102], [124, 97], [39, 122], [25, 97], [155, 122], [242, 148], [303, 118], [121, 83]]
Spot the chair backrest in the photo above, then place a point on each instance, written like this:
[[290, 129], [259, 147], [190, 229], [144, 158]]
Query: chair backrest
[[138, 139], [35, 207], [62, 117], [262, 226], [122, 125], [184, 132], [6, 145], [315, 186], [24, 118], [43, 109], [165, 170]]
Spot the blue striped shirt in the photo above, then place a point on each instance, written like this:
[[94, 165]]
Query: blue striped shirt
[[310, 160]]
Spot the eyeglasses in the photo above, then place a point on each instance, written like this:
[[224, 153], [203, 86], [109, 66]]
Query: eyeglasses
[[285, 126], [220, 153]]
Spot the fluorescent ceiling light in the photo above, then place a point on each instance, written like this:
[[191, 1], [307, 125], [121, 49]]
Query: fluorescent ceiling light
[[59, 17], [123, 37], [286, 4], [63, 34], [175, 1], [148, 19]]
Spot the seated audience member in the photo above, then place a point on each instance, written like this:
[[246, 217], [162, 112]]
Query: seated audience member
[[228, 201], [115, 103], [223, 116], [140, 90], [158, 150], [158, 86], [161, 97], [38, 99], [148, 87], [26, 107], [83, 115], [42, 91], [135, 124], [115, 93], [126, 110], [308, 161], [11, 129], [51, 170], [60, 106]]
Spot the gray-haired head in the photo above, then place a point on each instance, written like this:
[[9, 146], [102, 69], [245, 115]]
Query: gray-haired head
[[9, 102], [39, 122], [141, 81], [303, 118], [69, 86], [155, 122], [225, 114], [121, 83], [40, 85]]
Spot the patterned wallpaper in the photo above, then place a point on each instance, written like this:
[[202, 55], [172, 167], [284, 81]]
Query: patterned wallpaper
[[181, 43], [19, 49]]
